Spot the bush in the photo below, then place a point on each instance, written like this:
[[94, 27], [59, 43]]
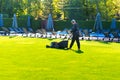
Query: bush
[[22, 22], [58, 24]]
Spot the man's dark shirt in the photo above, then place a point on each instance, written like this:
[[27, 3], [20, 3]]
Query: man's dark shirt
[[75, 30]]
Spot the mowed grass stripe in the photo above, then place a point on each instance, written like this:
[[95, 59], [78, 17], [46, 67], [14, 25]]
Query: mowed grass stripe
[[29, 59]]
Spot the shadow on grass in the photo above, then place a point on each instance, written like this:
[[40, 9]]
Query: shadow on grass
[[50, 39], [66, 49], [12, 36], [77, 51], [56, 48], [104, 42]]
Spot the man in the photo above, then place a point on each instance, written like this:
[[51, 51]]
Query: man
[[75, 34]]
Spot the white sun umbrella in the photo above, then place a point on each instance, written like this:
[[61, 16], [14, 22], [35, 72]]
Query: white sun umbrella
[[14, 23], [1, 20], [98, 23], [50, 26], [28, 22], [113, 24]]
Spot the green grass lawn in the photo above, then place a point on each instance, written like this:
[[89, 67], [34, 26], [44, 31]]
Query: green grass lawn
[[29, 59]]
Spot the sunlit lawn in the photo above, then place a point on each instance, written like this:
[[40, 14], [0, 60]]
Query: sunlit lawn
[[29, 59]]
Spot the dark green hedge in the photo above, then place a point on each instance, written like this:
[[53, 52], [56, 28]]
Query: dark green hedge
[[83, 24], [59, 25], [22, 23], [67, 24]]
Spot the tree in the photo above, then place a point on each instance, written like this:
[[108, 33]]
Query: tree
[[114, 8], [58, 9], [46, 7], [89, 9], [74, 9], [62, 9]]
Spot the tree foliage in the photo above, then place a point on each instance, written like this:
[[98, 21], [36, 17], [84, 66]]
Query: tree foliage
[[62, 9]]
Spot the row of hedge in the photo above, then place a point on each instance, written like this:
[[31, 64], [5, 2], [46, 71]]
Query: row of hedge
[[22, 23], [83, 24], [58, 25]]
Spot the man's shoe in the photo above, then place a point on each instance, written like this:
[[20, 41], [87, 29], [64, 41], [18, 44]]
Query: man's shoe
[[68, 48]]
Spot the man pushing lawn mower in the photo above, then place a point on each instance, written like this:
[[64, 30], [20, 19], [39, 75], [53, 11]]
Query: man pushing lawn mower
[[64, 44]]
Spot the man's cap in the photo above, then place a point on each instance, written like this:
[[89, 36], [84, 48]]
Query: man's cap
[[73, 20]]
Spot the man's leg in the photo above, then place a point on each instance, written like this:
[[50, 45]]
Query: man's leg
[[78, 43], [72, 42]]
